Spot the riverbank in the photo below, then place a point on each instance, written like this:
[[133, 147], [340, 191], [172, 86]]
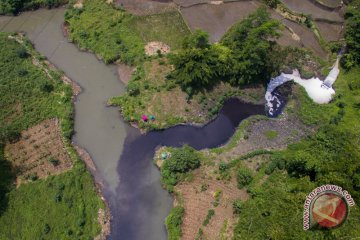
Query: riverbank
[[52, 187], [48, 68]]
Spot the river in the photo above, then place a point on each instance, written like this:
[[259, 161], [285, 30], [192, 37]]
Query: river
[[122, 155]]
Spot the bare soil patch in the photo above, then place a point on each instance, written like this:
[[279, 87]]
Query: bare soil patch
[[330, 31], [197, 202], [308, 7], [40, 152], [153, 48], [124, 72], [217, 19], [299, 36]]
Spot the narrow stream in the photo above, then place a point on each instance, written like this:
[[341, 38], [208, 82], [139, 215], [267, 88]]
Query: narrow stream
[[137, 201]]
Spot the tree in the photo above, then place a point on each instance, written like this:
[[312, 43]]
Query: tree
[[352, 35], [252, 48], [198, 39], [200, 65]]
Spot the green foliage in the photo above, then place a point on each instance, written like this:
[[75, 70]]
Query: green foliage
[[198, 39], [15, 6], [330, 156], [352, 35], [252, 50], [168, 27], [181, 161], [111, 37], [209, 215], [244, 56], [173, 223], [272, 3], [50, 208], [244, 177], [199, 65], [237, 206], [271, 134]]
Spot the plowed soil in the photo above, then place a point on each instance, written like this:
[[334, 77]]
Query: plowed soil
[[40, 152], [197, 203]]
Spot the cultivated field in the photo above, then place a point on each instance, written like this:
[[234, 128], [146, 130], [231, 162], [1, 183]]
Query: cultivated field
[[39, 153]]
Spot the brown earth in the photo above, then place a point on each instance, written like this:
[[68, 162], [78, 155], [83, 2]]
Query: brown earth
[[124, 72], [293, 31], [40, 152], [152, 48], [308, 7], [330, 31], [197, 202]]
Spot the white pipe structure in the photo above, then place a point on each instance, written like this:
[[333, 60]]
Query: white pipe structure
[[319, 91]]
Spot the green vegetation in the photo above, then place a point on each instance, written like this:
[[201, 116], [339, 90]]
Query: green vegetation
[[167, 27], [329, 156], [209, 215], [173, 223], [181, 161], [104, 29], [237, 206], [244, 177], [60, 207], [244, 56], [271, 134], [352, 33], [114, 34], [272, 3], [15, 6]]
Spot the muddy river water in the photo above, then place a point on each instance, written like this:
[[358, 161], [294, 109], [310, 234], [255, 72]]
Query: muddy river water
[[122, 155]]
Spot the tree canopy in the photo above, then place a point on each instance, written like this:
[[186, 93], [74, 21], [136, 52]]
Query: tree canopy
[[243, 56], [352, 35]]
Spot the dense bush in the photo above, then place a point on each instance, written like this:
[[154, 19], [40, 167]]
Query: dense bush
[[181, 161], [200, 65], [244, 56], [173, 223], [15, 6], [237, 206], [244, 177], [253, 52], [352, 35]]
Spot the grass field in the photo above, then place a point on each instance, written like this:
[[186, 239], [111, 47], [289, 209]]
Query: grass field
[[59, 207], [114, 34]]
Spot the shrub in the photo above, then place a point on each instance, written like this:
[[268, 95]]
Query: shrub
[[210, 214], [181, 161], [237, 206], [47, 87], [21, 52], [54, 161], [244, 177], [173, 223], [46, 228]]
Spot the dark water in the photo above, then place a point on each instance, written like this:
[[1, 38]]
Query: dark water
[[135, 204]]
